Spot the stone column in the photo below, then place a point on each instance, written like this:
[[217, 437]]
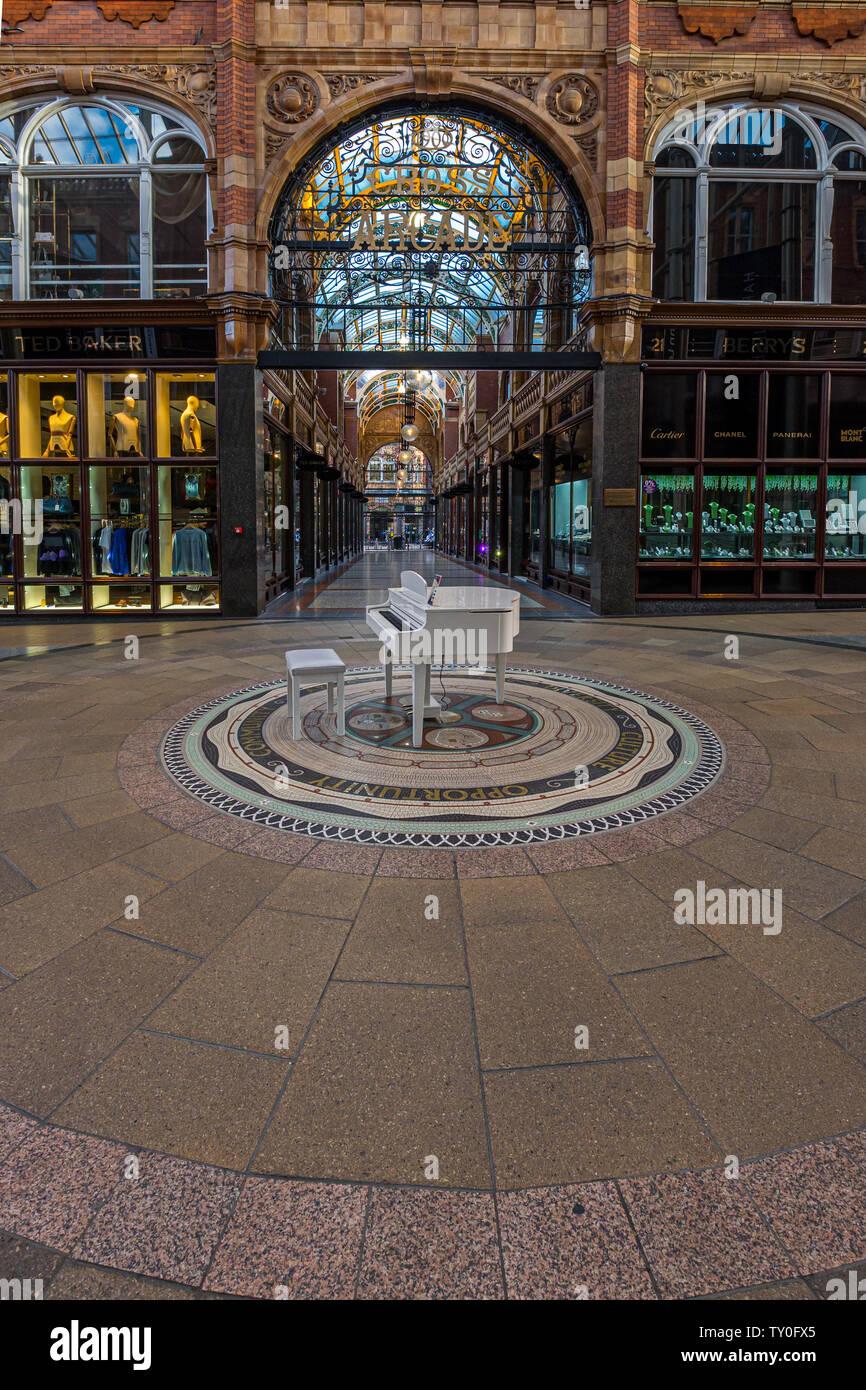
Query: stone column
[[616, 428], [242, 489]]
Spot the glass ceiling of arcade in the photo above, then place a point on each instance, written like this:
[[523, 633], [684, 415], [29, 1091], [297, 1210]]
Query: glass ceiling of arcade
[[426, 231]]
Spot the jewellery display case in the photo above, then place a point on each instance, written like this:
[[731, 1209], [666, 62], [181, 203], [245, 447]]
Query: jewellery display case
[[667, 514], [728, 516], [790, 510]]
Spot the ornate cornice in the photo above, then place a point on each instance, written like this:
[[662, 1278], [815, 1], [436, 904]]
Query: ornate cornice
[[136, 12], [16, 11], [829, 23], [716, 21]]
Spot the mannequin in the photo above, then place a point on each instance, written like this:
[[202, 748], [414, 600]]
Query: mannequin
[[60, 429], [4, 434], [190, 428], [126, 429]]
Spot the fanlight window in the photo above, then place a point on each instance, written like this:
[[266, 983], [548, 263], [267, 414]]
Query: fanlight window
[[101, 199], [760, 203]]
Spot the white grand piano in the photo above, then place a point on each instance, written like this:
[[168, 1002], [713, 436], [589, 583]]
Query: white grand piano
[[423, 625]]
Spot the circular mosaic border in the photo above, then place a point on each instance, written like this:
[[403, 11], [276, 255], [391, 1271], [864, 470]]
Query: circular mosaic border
[[706, 769]]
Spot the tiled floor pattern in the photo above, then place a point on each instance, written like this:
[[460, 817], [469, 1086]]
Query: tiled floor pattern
[[287, 1033]]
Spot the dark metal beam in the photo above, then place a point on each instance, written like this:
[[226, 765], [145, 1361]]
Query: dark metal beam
[[307, 359]]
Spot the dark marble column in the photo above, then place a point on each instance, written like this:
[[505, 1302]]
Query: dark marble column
[[548, 458], [308, 523], [616, 426], [242, 489], [518, 502]]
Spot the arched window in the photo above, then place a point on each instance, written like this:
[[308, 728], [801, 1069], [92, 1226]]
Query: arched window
[[760, 203], [101, 199]]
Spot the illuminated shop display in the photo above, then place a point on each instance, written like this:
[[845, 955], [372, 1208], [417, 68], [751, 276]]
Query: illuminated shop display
[[776, 516], [113, 481]]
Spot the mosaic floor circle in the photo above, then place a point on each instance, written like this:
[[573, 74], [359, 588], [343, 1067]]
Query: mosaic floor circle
[[563, 755]]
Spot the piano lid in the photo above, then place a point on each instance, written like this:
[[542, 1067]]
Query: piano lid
[[414, 584]]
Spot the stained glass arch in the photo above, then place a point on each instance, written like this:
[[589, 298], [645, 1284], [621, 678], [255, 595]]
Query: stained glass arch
[[430, 230]]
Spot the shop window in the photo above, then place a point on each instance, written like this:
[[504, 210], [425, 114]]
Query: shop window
[[731, 415], [120, 521], [845, 532], [793, 416], [790, 510], [728, 520], [47, 416], [5, 442], [669, 412], [53, 490], [191, 594], [187, 509], [185, 415], [847, 416], [667, 514], [761, 230], [61, 597], [116, 415], [7, 526]]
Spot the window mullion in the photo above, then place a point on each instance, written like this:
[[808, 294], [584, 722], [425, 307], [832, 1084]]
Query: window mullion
[[145, 234], [701, 234]]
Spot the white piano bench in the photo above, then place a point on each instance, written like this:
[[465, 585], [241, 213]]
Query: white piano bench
[[307, 667]]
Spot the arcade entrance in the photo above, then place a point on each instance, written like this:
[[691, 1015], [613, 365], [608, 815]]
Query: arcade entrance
[[429, 269]]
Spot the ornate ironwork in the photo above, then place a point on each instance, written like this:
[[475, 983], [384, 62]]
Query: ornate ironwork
[[430, 230]]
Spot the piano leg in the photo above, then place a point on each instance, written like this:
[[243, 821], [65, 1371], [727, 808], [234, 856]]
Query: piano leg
[[389, 679], [420, 674], [500, 677]]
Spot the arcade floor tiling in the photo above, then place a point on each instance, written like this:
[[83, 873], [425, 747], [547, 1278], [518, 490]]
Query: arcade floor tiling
[[344, 1018]]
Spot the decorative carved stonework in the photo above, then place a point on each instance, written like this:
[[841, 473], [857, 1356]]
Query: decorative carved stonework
[[524, 86], [292, 98], [573, 100], [196, 82], [589, 145], [716, 21], [829, 23], [664, 88], [849, 83], [339, 83], [136, 12], [274, 146], [14, 11]]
